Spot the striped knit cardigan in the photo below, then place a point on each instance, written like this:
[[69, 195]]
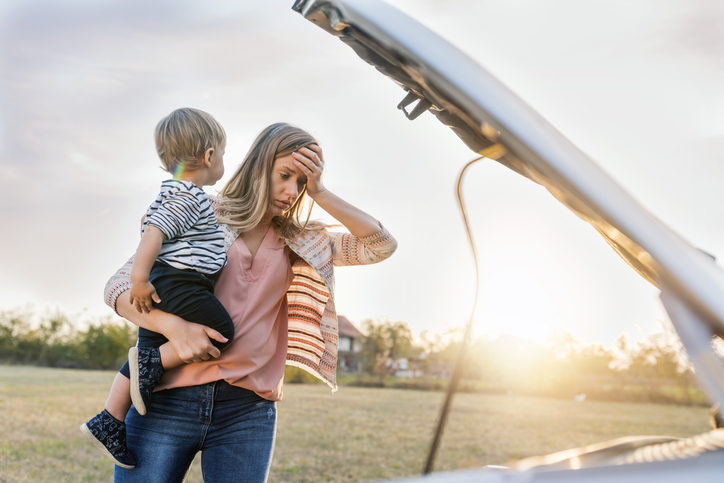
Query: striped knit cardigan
[[313, 328]]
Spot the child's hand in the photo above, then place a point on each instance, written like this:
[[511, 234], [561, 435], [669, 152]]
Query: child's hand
[[143, 294]]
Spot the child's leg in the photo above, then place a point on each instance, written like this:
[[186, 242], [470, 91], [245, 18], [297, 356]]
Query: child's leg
[[147, 366], [119, 399], [107, 429], [189, 295], [206, 310], [169, 357], [146, 371]]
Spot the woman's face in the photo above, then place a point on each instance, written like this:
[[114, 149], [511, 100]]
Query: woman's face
[[287, 182]]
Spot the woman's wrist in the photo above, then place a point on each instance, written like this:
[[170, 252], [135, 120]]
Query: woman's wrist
[[156, 320], [172, 327], [355, 220], [318, 192]]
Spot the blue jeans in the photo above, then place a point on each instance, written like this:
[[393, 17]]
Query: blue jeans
[[233, 428]]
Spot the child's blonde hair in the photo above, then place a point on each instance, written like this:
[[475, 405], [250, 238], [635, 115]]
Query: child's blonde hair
[[184, 136]]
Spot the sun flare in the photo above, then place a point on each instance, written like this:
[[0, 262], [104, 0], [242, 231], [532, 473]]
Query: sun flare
[[529, 286]]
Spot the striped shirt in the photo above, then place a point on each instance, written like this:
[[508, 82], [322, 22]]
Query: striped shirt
[[194, 240]]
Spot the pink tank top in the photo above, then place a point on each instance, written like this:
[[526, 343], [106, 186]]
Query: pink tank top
[[254, 294]]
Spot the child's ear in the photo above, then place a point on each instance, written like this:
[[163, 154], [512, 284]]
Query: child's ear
[[207, 157]]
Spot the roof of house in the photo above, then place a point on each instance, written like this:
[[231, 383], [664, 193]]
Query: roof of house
[[346, 328]]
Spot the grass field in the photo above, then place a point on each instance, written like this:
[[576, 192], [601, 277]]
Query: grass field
[[357, 434]]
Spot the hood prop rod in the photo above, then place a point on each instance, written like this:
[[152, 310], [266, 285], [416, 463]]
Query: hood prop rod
[[496, 151]]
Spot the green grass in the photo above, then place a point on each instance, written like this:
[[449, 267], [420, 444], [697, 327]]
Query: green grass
[[357, 434]]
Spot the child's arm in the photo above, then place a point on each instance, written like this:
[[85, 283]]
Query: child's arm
[[143, 293]]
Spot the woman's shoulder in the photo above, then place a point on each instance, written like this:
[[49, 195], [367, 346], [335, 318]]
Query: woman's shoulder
[[215, 203], [310, 240], [313, 231], [230, 235]]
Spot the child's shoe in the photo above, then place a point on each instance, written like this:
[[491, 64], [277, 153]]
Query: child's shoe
[[146, 372], [109, 434]]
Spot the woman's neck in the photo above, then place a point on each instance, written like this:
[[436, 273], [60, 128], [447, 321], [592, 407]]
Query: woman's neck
[[261, 227], [266, 220]]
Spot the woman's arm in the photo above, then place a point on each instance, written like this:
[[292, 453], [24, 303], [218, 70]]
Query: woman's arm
[[368, 241], [189, 340], [311, 162], [348, 249]]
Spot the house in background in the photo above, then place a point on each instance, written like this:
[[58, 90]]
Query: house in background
[[350, 345]]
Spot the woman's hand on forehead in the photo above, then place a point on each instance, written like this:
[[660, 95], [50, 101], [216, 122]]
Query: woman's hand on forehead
[[310, 162]]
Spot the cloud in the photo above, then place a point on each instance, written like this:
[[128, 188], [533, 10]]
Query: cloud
[[84, 84]]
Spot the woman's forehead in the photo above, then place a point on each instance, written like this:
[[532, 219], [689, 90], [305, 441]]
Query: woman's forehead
[[286, 163]]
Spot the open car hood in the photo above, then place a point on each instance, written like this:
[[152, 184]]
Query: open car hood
[[491, 120]]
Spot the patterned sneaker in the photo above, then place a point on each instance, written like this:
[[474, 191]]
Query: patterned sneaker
[[146, 372], [109, 435]]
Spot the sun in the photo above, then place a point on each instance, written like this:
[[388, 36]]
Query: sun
[[520, 303], [528, 285]]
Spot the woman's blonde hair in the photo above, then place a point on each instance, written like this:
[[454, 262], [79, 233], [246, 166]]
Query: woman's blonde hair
[[184, 136], [246, 198]]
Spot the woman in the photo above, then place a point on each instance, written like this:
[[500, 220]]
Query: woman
[[278, 287]]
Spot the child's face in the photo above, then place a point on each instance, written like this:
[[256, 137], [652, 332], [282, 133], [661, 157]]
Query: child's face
[[216, 171]]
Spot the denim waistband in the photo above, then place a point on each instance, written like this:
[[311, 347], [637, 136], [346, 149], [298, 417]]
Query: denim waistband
[[220, 391]]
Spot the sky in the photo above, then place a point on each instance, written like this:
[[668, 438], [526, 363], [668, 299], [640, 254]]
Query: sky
[[635, 85]]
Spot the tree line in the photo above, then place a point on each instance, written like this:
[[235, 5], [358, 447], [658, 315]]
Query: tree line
[[654, 369], [52, 340]]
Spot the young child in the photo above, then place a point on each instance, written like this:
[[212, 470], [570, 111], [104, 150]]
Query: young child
[[180, 253]]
